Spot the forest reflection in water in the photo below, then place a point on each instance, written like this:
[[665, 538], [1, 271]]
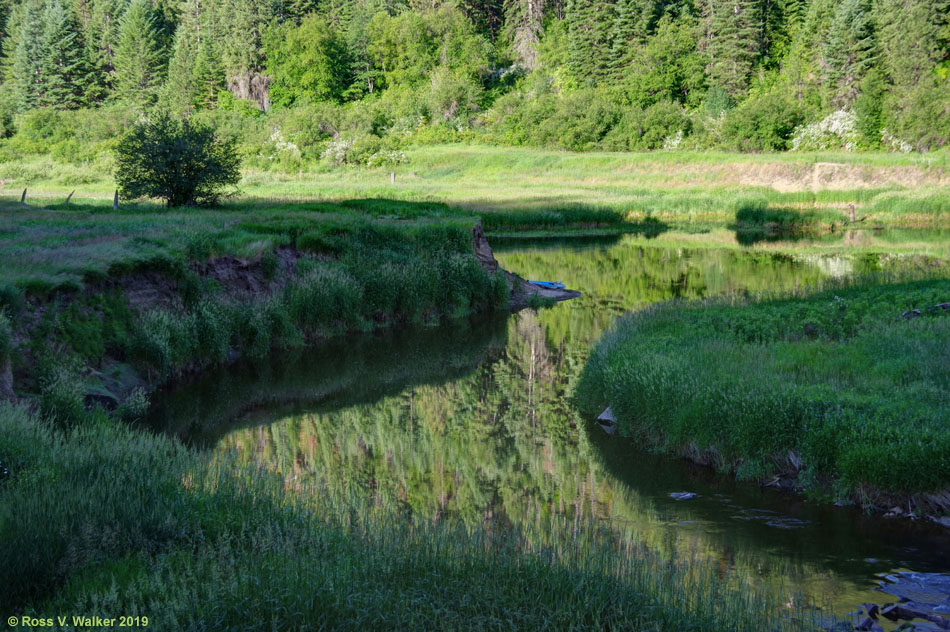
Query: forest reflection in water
[[472, 420]]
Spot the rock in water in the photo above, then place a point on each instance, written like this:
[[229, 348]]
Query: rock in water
[[683, 495]]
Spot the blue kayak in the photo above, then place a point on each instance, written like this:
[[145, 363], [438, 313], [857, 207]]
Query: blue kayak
[[551, 285]]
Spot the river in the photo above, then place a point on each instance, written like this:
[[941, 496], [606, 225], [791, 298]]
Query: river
[[472, 419]]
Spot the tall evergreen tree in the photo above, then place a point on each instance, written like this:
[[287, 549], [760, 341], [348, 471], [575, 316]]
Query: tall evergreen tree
[[522, 30], [26, 66], [208, 76], [910, 34], [668, 67], [5, 7], [138, 56], [11, 39], [63, 71], [634, 19], [850, 49], [296, 10], [239, 41], [179, 90], [195, 71], [101, 37], [732, 41], [488, 16], [356, 34], [589, 26], [802, 67], [783, 19]]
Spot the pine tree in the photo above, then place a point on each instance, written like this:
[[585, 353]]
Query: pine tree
[[26, 61], [240, 44], [180, 89], [630, 29], [14, 20], [295, 10], [802, 67], [488, 16], [195, 72], [522, 30], [208, 76], [63, 66], [850, 50], [589, 24], [668, 67], [732, 41], [365, 75], [910, 33], [5, 8], [138, 56], [783, 19], [101, 37]]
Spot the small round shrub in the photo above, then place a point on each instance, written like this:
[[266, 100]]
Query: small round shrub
[[181, 161]]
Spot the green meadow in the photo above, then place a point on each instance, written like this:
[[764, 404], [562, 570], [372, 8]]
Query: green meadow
[[555, 189]]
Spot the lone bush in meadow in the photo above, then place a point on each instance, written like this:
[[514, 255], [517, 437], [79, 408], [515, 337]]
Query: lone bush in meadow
[[181, 161]]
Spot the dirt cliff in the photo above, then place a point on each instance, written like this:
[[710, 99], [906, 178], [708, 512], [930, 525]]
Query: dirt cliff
[[521, 292]]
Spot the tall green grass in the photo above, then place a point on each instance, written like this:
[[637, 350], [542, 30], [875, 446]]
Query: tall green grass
[[109, 520], [838, 384], [347, 274]]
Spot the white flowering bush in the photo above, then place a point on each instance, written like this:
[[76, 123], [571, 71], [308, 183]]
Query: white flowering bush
[[671, 143], [836, 131], [279, 147], [337, 151], [893, 143], [387, 158], [278, 152], [366, 150]]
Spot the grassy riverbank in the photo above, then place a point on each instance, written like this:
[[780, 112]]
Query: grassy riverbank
[[555, 190], [105, 520], [104, 304], [837, 387]]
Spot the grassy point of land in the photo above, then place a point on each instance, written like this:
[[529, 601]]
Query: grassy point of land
[[836, 389]]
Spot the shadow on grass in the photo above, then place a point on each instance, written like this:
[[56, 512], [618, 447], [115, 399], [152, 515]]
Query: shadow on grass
[[551, 217], [555, 218]]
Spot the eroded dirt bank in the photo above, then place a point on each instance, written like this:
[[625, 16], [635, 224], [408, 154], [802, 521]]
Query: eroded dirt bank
[[245, 283], [521, 292]]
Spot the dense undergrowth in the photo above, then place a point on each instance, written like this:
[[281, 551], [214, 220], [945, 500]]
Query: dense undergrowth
[[838, 384], [109, 520]]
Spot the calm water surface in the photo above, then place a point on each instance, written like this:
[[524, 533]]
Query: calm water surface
[[472, 420]]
